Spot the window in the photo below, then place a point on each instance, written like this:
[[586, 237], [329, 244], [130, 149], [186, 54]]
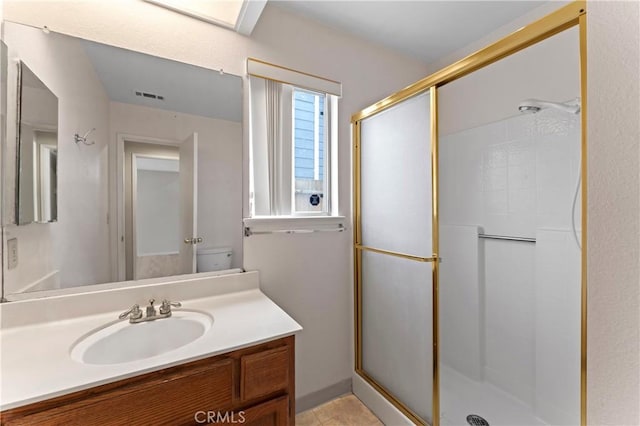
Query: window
[[291, 142], [309, 146]]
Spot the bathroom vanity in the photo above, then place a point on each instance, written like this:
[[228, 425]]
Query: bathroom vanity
[[239, 370], [252, 386]]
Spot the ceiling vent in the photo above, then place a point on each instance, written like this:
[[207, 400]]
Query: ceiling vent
[[149, 95]]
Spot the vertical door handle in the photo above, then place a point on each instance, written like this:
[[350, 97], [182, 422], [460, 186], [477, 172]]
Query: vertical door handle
[[194, 240]]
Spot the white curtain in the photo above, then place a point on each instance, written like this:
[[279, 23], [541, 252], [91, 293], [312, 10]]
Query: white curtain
[[273, 110], [271, 118]]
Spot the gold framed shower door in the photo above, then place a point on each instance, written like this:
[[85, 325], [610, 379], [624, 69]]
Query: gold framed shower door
[[573, 14]]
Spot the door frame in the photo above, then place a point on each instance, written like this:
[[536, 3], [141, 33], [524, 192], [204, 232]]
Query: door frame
[[118, 250], [571, 15]]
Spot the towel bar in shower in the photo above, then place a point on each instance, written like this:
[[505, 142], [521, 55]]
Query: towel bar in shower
[[507, 237]]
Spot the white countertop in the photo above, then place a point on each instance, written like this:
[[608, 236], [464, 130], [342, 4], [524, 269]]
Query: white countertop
[[35, 362]]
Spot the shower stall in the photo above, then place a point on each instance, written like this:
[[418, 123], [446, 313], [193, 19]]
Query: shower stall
[[468, 237]]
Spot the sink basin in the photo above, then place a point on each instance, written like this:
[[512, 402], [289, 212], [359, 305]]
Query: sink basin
[[120, 341]]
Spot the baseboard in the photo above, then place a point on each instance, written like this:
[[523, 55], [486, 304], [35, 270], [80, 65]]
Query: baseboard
[[383, 409], [321, 396]]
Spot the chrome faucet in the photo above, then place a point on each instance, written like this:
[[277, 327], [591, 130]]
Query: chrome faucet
[[135, 313]]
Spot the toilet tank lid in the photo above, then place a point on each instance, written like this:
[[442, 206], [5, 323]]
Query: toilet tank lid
[[214, 250]]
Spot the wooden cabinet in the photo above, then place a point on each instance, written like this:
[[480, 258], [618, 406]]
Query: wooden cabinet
[[252, 386], [263, 373], [273, 412]]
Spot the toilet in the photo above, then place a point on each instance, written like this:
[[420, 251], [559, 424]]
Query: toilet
[[214, 258]]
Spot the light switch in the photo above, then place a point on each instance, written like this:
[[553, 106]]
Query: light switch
[[12, 253]]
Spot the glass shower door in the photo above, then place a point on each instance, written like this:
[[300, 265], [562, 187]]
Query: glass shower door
[[394, 255]]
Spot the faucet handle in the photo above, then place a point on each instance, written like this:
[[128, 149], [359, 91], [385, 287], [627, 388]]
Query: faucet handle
[[151, 311], [134, 313], [166, 306]]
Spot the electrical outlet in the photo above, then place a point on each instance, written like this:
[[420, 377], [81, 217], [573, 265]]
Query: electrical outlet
[[12, 253]]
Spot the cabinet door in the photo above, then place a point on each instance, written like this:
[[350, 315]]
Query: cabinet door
[[264, 373], [271, 413]]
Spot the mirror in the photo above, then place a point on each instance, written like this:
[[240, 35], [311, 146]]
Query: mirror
[[146, 154], [36, 181], [156, 209]]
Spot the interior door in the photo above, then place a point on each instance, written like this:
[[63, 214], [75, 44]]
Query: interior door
[[189, 203]]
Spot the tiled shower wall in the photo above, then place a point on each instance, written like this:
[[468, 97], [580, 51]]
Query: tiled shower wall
[[512, 176], [515, 177]]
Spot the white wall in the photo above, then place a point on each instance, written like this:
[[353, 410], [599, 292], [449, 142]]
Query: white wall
[[82, 196], [613, 68], [219, 166], [310, 276]]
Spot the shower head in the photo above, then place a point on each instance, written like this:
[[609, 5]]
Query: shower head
[[535, 105]]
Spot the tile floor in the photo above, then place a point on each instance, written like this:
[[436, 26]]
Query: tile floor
[[346, 410]]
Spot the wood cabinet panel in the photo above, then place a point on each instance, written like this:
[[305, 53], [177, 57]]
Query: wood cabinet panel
[[172, 401], [272, 413], [264, 373]]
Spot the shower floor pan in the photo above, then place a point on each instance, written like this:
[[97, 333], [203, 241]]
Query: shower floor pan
[[461, 397]]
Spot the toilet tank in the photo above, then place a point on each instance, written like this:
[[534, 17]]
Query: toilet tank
[[214, 259]]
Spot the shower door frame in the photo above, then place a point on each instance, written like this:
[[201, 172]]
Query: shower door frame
[[571, 15]]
